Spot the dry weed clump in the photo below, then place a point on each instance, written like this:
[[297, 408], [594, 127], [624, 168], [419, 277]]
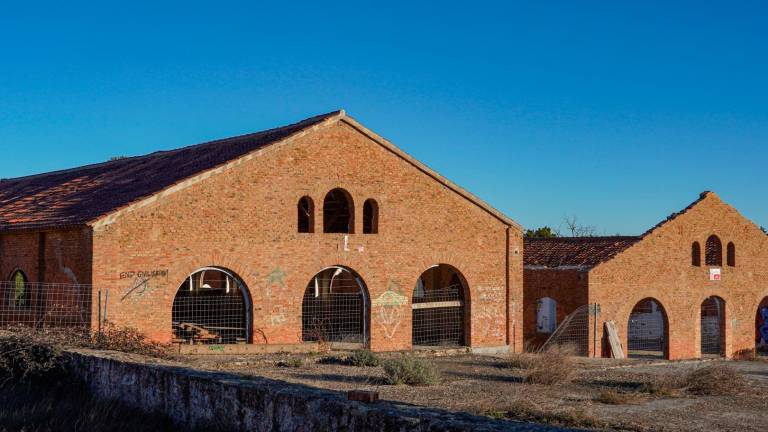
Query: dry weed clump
[[716, 379], [125, 339], [552, 366]]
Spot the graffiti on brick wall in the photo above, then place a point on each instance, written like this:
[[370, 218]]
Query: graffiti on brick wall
[[489, 302], [143, 282], [762, 327], [388, 308], [60, 262], [490, 294], [275, 282]]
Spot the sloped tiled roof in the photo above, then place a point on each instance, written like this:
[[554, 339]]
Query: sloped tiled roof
[[585, 252], [79, 195]]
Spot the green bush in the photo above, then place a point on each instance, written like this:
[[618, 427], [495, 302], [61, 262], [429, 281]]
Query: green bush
[[363, 358], [410, 370]]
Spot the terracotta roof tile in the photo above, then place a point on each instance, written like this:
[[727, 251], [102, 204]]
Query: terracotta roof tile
[[573, 251], [79, 195]]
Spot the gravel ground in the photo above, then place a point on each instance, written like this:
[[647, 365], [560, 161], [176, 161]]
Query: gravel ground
[[487, 385]]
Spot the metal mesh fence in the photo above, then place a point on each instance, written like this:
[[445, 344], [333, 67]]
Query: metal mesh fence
[[334, 308], [210, 307], [646, 333], [45, 304], [573, 332], [712, 323], [438, 316]]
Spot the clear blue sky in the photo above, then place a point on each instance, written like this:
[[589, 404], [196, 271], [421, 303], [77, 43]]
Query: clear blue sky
[[617, 113]]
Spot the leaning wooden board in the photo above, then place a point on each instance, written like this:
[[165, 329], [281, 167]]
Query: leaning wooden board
[[613, 339]]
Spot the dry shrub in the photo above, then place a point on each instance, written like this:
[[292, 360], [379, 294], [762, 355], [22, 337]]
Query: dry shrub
[[553, 366], [717, 379], [126, 339], [521, 360], [410, 370], [23, 359], [615, 397]]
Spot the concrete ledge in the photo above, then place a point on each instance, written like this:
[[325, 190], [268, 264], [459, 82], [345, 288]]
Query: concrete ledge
[[194, 398], [503, 349]]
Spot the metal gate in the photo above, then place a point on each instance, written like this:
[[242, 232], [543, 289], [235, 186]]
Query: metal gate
[[574, 331], [646, 332], [712, 326]]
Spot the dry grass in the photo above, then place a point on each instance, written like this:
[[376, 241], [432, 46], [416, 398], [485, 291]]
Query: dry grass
[[664, 385], [553, 366], [714, 380], [524, 410], [616, 397]]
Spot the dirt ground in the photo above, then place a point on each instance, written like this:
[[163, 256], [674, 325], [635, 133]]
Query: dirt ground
[[487, 385]]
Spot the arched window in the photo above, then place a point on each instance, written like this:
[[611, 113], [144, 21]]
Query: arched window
[[546, 315], [338, 212], [20, 295], [370, 217], [713, 254], [731, 254], [306, 214], [696, 254]]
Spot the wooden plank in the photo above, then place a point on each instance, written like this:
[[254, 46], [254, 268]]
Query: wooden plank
[[617, 351], [440, 304]]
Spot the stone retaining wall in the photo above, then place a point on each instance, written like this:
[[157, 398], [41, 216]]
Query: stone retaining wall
[[194, 398]]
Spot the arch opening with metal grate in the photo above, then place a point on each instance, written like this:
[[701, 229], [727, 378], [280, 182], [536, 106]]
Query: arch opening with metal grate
[[761, 328], [439, 308], [713, 326], [647, 330], [335, 308], [212, 306]]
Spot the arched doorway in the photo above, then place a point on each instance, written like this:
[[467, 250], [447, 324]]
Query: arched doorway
[[647, 330], [761, 328], [335, 308], [546, 315], [439, 308], [713, 327], [212, 306]]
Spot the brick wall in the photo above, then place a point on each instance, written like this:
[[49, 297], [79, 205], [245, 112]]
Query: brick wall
[[243, 218]]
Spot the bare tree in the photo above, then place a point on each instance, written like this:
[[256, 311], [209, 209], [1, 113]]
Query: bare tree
[[577, 230]]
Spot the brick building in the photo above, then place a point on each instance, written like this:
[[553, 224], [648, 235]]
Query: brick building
[[694, 285], [320, 230]]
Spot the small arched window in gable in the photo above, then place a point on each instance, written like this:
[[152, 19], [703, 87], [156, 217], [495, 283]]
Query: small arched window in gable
[[20, 295], [338, 212], [731, 254], [370, 217], [306, 215], [713, 254], [696, 254]]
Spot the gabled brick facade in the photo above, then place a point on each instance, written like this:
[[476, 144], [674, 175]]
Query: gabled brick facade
[[242, 217], [659, 265]]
